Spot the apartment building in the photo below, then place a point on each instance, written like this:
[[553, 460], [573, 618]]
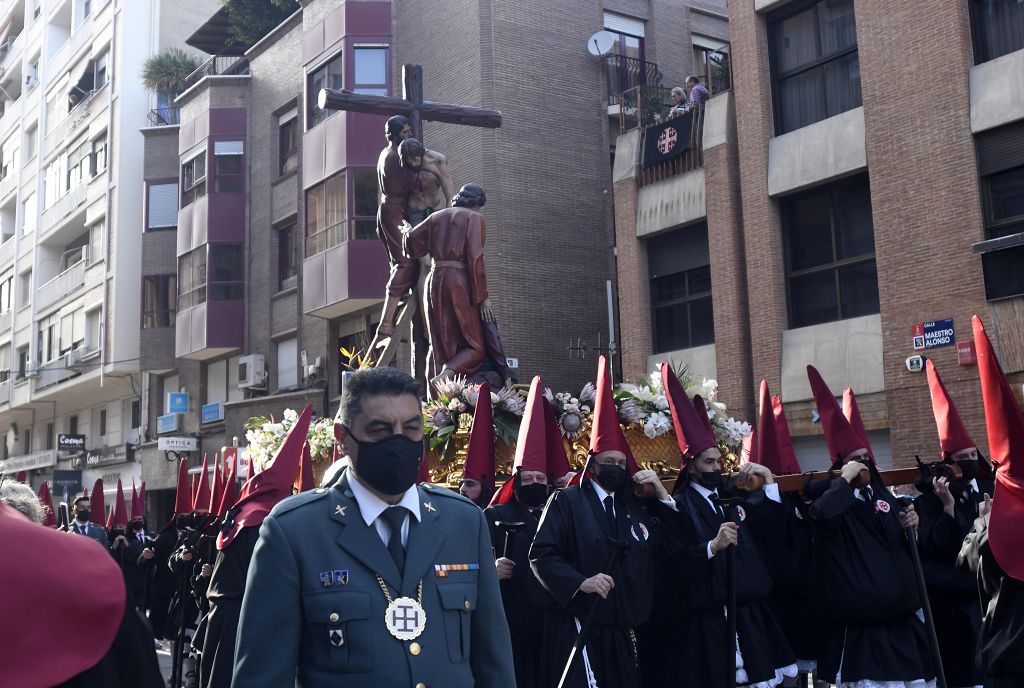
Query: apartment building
[[259, 243], [71, 105], [850, 202]]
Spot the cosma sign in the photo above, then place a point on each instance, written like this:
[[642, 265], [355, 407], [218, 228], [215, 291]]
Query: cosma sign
[[70, 443]]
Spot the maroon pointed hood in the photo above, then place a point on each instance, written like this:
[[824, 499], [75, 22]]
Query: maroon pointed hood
[[842, 439], [852, 413], [790, 464], [50, 518], [480, 451], [183, 498], [264, 490], [692, 433], [96, 505]]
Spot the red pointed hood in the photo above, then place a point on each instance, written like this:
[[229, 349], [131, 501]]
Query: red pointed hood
[[136, 511], [606, 433], [692, 433], [748, 448], [195, 486], [264, 490], [702, 412], [953, 435], [183, 499], [203, 494], [532, 443], [50, 517], [786, 452], [230, 494], [119, 517], [306, 481], [480, 452], [97, 505], [1005, 423], [558, 461], [852, 413], [840, 435], [767, 452], [218, 486], [21, 477], [49, 602]]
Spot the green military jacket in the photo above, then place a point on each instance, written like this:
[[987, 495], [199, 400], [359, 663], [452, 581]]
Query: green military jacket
[[313, 614]]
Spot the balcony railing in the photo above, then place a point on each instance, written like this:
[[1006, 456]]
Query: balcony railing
[[217, 65], [64, 284], [625, 73], [5, 321], [63, 130], [53, 372], [161, 117], [11, 50], [7, 249], [691, 159], [64, 206], [7, 184]]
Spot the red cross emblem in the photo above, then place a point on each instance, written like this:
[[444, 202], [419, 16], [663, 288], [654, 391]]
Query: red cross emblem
[[667, 140]]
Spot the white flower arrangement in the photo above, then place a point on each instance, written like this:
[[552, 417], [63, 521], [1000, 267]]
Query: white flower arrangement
[[264, 436], [456, 397]]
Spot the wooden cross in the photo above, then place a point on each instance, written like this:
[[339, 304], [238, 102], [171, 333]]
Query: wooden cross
[[411, 104]]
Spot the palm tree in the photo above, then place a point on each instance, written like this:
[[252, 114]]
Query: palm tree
[[165, 74]]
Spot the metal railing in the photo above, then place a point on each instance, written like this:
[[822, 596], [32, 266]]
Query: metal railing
[[11, 52], [692, 159], [162, 117], [625, 73], [64, 206], [643, 106], [53, 372], [217, 65], [63, 130], [64, 284]]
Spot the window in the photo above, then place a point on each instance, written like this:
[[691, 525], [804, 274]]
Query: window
[[1001, 167], [31, 141], [49, 436], [371, 70], [79, 163], [287, 363], [103, 422], [286, 258], [680, 273], [34, 5], [101, 66], [711, 65], [136, 413], [228, 158], [95, 249], [24, 288], [48, 343], [629, 33], [26, 446], [86, 8], [815, 67], [193, 179], [364, 201], [325, 215], [73, 425], [192, 278], [98, 156], [5, 362], [162, 206], [226, 272], [627, 68], [830, 253], [288, 142], [222, 381], [158, 301], [22, 362], [6, 292], [92, 330], [327, 75], [998, 28], [28, 214]]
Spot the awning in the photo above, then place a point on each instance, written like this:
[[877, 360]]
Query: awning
[[83, 77], [213, 37]]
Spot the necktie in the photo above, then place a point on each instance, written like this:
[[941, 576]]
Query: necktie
[[394, 516], [868, 493], [609, 510], [717, 507]]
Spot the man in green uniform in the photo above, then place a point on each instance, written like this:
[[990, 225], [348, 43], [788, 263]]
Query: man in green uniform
[[375, 581]]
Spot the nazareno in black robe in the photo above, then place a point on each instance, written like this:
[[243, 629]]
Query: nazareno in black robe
[[227, 585], [953, 594], [1001, 642], [704, 641], [571, 546], [522, 595], [864, 589]]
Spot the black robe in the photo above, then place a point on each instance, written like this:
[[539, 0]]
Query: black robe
[[227, 585], [181, 605], [571, 545], [522, 595], [129, 663], [762, 643], [1001, 641], [162, 581], [864, 589], [953, 594], [136, 571]]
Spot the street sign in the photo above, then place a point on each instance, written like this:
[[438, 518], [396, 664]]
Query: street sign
[[965, 354], [939, 333], [211, 413], [177, 402], [167, 423], [178, 444]]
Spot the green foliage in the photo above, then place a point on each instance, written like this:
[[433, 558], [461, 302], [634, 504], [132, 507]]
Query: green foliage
[[165, 72], [251, 20]]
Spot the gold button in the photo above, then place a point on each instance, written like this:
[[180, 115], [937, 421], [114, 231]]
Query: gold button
[[468, 605], [421, 685], [414, 649], [334, 617]]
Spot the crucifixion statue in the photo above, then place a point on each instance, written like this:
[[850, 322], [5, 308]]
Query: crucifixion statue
[[398, 181]]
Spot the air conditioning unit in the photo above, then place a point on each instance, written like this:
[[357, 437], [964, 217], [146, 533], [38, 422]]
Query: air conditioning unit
[[32, 371], [252, 372], [72, 358], [312, 370]]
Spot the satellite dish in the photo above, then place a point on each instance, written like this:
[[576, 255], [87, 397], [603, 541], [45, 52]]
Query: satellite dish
[[601, 43]]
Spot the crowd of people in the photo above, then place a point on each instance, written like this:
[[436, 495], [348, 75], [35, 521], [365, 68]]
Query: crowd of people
[[606, 577]]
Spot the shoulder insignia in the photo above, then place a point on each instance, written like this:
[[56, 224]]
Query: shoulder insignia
[[298, 500]]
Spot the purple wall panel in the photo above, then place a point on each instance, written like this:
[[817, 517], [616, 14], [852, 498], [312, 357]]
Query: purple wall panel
[[226, 217], [225, 324], [227, 121], [365, 138], [362, 18], [368, 269]]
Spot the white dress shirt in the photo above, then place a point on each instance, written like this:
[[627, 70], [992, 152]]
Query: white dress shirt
[[771, 491], [371, 507]]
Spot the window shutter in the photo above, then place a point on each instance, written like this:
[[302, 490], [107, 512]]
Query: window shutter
[[163, 205], [228, 148], [1000, 149], [621, 24]]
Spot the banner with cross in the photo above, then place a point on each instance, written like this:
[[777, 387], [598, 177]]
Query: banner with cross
[[667, 140]]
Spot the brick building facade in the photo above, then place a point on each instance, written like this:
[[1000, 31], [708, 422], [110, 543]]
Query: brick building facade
[[846, 196]]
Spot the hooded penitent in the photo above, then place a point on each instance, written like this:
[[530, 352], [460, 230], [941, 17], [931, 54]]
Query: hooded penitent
[[480, 452], [50, 517], [218, 487], [118, 515], [203, 494], [268, 487], [953, 435], [1005, 423], [692, 433], [137, 511], [532, 444], [606, 433], [230, 494], [96, 505], [183, 498], [788, 455], [766, 442], [50, 602], [841, 437], [852, 413]]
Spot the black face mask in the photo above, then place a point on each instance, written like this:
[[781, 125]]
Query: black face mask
[[969, 468], [136, 527], [389, 466], [533, 495], [711, 480], [187, 521], [83, 515], [611, 476]]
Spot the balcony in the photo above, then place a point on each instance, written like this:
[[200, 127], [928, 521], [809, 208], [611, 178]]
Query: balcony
[[344, 278], [12, 115], [11, 50], [625, 73], [162, 117], [8, 183], [74, 43], [7, 251], [53, 372], [64, 206], [5, 389], [63, 131], [63, 285], [5, 321], [218, 65]]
